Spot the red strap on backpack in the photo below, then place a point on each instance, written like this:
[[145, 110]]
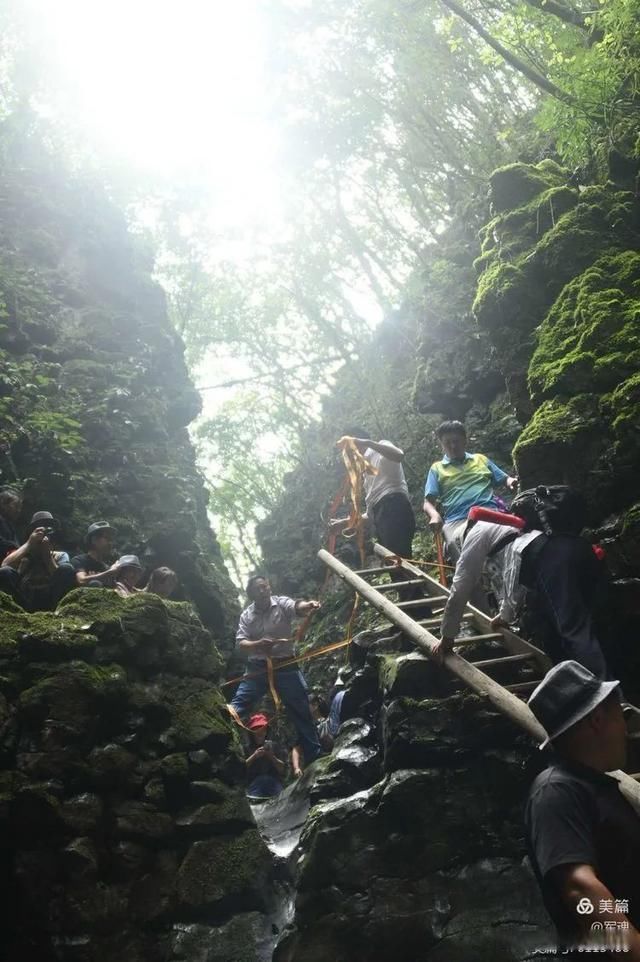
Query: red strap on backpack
[[478, 513]]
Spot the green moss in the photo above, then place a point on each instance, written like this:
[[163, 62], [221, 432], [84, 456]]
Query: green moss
[[579, 236], [550, 235], [104, 605], [73, 690], [499, 294], [511, 233], [560, 421], [44, 635], [563, 441], [7, 604], [198, 716], [631, 518], [174, 766], [517, 184], [222, 867], [623, 406], [590, 340]]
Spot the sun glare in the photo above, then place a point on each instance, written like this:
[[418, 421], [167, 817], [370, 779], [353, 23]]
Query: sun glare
[[173, 89]]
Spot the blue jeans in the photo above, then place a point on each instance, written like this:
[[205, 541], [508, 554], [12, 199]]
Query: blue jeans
[[265, 786], [292, 689]]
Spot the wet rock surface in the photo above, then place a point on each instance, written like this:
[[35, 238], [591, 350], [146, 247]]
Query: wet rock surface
[[413, 845]]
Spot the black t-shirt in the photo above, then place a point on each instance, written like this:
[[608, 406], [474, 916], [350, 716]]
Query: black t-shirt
[[84, 562], [8, 538], [576, 815]]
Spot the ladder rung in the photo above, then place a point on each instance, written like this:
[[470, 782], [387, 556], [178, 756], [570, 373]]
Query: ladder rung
[[377, 571], [436, 622], [524, 685], [505, 660], [468, 639], [398, 585], [428, 600], [426, 622]]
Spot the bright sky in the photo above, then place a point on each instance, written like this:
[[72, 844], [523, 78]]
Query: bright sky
[[170, 87], [175, 91]]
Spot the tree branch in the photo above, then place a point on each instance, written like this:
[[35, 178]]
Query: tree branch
[[540, 80]]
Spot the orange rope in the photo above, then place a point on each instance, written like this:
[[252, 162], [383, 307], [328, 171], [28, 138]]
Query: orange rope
[[325, 650], [356, 466], [236, 718], [307, 656], [272, 685]]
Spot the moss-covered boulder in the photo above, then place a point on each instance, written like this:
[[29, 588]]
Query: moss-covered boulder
[[553, 258], [122, 805], [590, 339], [223, 868]]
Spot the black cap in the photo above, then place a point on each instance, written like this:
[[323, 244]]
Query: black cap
[[565, 696], [98, 527]]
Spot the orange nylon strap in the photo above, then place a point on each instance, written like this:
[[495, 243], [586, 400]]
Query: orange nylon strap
[[333, 646], [356, 466], [356, 602], [441, 564], [236, 717], [272, 686]]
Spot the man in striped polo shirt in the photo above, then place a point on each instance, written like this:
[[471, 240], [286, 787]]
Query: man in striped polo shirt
[[459, 481]]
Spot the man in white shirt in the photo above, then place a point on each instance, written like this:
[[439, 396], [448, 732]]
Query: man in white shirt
[[387, 496], [265, 633], [563, 572], [502, 543]]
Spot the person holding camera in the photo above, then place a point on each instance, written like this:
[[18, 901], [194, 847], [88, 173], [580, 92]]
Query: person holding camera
[[265, 769], [36, 575]]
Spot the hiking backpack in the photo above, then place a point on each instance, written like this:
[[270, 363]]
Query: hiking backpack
[[553, 508]]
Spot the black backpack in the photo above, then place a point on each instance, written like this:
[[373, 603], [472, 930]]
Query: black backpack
[[553, 508]]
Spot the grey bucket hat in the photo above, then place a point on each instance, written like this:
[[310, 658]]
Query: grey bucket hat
[[98, 527], [42, 519], [565, 696], [129, 561]]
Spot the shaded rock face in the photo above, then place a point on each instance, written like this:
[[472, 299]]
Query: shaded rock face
[[125, 830], [558, 294], [413, 849], [559, 297], [524, 322], [94, 393]]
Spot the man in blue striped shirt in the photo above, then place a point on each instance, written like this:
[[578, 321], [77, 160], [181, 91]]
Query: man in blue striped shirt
[[459, 481]]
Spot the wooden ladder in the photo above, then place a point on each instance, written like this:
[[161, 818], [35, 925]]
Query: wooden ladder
[[509, 654]]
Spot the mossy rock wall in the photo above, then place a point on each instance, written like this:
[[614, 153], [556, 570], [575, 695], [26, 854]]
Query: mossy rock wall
[[558, 295], [95, 398], [125, 830]]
